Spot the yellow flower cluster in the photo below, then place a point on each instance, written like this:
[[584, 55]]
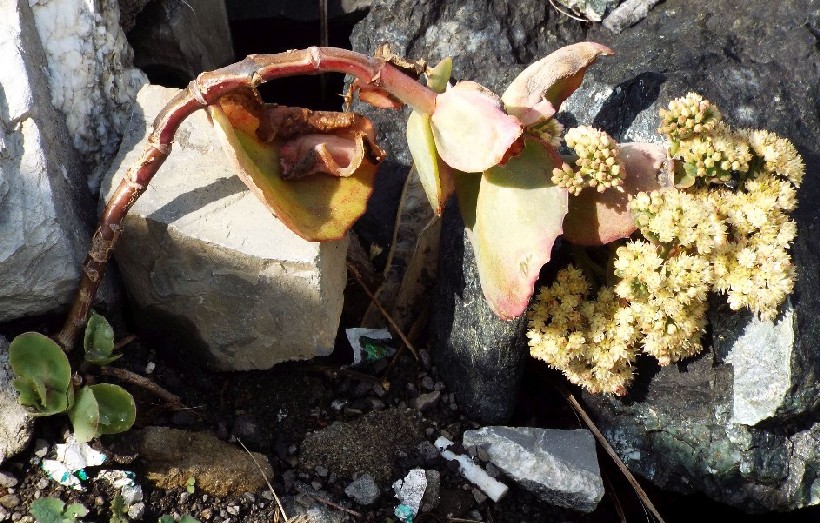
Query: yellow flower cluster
[[714, 156], [688, 117], [590, 341], [598, 164], [778, 154], [733, 238], [548, 130]]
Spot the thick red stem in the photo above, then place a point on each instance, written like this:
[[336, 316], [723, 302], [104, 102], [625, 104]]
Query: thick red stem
[[207, 89]]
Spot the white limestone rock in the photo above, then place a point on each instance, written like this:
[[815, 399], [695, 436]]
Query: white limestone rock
[[16, 426], [204, 260], [43, 237], [89, 73], [559, 466]]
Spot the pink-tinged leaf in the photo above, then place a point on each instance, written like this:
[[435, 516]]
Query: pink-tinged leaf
[[518, 216], [435, 175], [471, 131], [597, 218], [318, 207], [541, 88]]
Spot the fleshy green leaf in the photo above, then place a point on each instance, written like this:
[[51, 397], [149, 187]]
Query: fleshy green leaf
[[76, 510], [435, 175], [598, 218], [99, 341], [517, 219], [85, 415], [117, 409], [438, 76], [541, 88], [319, 207], [43, 374], [472, 132]]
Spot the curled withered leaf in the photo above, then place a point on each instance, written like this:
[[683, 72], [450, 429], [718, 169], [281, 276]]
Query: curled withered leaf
[[598, 218], [471, 130], [321, 142], [314, 170], [539, 90]]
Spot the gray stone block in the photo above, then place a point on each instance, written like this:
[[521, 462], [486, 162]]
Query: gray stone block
[[205, 262]]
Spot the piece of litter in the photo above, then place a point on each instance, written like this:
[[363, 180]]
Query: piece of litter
[[404, 513], [369, 344], [117, 478], [494, 489], [72, 459], [411, 489]]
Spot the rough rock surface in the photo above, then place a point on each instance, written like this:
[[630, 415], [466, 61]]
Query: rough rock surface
[[293, 9], [43, 236], [704, 425], [171, 456], [16, 426], [559, 466], [90, 73], [175, 41], [480, 356], [208, 266], [737, 421]]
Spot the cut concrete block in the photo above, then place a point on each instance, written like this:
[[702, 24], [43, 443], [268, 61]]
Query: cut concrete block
[[43, 236], [205, 262]]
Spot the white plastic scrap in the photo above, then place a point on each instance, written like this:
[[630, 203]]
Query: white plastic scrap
[[494, 489], [354, 336], [72, 459], [411, 489], [125, 481]]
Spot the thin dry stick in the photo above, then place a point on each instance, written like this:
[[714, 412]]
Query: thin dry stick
[[384, 313], [207, 89], [267, 482], [609, 450], [145, 383], [335, 505], [123, 342], [566, 13]]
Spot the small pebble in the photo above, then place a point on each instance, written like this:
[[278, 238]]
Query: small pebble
[[10, 501], [426, 401], [378, 390], [479, 496], [233, 510], [321, 471], [7, 480], [40, 448], [492, 470], [424, 356], [428, 383], [99, 501], [483, 455], [136, 511]]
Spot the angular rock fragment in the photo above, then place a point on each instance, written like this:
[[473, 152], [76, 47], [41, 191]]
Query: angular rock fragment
[[559, 466]]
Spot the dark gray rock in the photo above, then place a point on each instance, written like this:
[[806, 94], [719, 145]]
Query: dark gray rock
[[480, 357], [737, 422], [292, 9], [559, 466]]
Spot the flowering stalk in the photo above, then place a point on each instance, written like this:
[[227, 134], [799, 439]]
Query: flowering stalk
[[207, 89]]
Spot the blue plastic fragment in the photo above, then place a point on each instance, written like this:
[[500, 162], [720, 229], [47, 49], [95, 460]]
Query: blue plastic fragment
[[404, 512]]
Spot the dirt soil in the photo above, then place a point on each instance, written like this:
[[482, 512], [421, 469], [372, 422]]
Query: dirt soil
[[386, 420]]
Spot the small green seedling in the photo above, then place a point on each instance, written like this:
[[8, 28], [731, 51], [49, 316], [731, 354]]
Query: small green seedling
[[99, 341], [53, 510], [43, 374], [190, 485], [43, 380], [119, 510]]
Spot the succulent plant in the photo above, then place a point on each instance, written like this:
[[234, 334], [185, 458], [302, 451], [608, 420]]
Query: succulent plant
[[43, 374]]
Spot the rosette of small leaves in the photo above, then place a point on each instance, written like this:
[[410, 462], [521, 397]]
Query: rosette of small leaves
[[100, 409], [53, 510], [687, 117], [99, 341], [597, 165]]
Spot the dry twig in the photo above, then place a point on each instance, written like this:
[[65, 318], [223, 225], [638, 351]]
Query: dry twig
[[609, 450], [267, 481], [384, 313], [141, 381]]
